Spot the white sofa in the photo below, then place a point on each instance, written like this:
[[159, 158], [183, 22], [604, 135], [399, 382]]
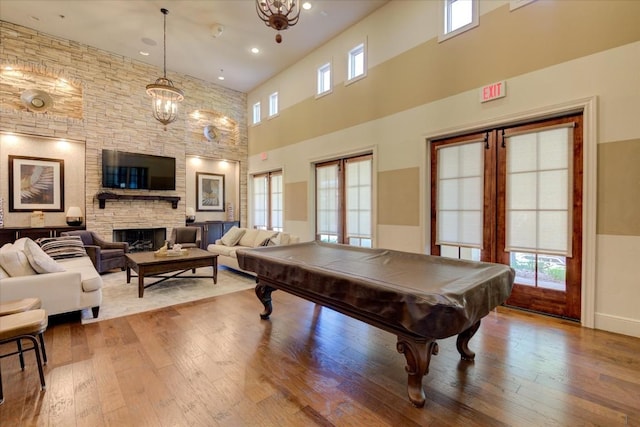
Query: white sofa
[[244, 238], [77, 287]]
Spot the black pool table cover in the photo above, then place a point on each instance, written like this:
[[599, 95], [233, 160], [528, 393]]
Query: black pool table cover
[[422, 295]]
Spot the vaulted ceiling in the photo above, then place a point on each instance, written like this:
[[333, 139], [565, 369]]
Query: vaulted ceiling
[[205, 39]]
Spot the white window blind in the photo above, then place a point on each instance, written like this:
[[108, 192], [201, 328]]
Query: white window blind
[[358, 200], [538, 202], [276, 202], [327, 199], [460, 194], [260, 201]]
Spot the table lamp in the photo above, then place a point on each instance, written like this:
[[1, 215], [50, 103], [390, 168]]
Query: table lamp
[[74, 216], [190, 215]]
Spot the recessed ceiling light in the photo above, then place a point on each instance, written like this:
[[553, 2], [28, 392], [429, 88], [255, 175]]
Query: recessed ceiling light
[[306, 5], [220, 77], [143, 53], [255, 50], [35, 18], [148, 41]]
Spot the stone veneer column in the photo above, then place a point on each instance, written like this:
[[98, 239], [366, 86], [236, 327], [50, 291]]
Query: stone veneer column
[[116, 115]]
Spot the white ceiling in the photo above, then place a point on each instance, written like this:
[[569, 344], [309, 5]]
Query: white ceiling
[[119, 26]]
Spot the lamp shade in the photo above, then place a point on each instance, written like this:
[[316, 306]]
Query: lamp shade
[[74, 216]]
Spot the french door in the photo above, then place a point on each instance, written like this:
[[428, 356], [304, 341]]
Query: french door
[[513, 195], [344, 201]]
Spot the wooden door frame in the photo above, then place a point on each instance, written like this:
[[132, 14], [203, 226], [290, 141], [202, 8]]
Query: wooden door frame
[[560, 303], [588, 107]]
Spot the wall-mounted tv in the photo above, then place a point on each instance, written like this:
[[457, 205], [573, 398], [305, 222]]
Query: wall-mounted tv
[[137, 171]]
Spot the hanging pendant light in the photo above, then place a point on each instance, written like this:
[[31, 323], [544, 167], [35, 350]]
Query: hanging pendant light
[[165, 96], [278, 14]]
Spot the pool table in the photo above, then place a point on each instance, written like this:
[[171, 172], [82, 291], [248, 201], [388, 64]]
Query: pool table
[[419, 298]]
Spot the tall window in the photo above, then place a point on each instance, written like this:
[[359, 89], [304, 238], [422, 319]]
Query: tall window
[[459, 16], [357, 62], [256, 113], [273, 104], [324, 79], [267, 201], [344, 201]]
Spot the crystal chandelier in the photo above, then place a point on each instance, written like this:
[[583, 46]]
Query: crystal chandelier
[[278, 14], [165, 96]]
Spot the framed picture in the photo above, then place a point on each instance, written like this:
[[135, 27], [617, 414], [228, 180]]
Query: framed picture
[[36, 184], [210, 192]]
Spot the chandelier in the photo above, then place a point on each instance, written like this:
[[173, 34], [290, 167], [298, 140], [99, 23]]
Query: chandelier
[[165, 96], [278, 14]]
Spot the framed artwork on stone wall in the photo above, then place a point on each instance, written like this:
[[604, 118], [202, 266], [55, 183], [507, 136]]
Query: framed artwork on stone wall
[[36, 184], [210, 192]]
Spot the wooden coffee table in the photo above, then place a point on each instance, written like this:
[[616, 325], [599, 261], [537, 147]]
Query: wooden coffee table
[[148, 264]]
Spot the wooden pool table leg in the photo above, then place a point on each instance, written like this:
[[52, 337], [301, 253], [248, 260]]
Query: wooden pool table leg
[[462, 343], [263, 292], [418, 355]]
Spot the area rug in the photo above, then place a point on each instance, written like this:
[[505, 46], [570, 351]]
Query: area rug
[[121, 299]]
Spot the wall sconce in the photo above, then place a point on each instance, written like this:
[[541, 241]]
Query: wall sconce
[[74, 216], [190, 215]]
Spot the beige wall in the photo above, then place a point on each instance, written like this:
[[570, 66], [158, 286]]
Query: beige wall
[[231, 172], [619, 188], [554, 55], [72, 155], [112, 110]]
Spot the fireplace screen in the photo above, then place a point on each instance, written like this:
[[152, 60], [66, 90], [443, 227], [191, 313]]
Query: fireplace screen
[[141, 239]]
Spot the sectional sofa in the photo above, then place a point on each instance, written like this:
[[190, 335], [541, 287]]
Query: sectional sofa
[[68, 283], [246, 238]]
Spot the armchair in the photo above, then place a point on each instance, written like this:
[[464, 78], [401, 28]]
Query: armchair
[[187, 237], [104, 255]]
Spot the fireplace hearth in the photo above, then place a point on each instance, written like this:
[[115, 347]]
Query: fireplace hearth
[[141, 239]]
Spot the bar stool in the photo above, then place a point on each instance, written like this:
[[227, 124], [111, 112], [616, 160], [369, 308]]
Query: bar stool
[[18, 306], [25, 325]]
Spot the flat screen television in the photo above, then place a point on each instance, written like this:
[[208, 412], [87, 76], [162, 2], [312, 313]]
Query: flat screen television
[[137, 171]]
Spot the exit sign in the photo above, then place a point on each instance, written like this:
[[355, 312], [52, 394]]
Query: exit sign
[[493, 91]]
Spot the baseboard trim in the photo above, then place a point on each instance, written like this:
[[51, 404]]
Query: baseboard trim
[[617, 324]]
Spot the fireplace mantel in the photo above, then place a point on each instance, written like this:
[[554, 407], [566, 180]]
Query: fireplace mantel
[[103, 197]]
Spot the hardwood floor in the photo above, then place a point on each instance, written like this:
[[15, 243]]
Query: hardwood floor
[[215, 363]]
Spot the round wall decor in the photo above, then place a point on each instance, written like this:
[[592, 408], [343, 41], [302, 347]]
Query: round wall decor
[[211, 133], [36, 100]]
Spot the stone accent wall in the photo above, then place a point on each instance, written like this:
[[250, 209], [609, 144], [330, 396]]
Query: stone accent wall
[[116, 114]]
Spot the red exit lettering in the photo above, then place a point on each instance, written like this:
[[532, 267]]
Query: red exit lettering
[[493, 91]]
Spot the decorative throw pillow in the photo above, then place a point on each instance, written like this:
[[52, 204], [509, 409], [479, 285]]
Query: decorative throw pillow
[[277, 239], [267, 242], [62, 247], [233, 236], [14, 261], [39, 260]]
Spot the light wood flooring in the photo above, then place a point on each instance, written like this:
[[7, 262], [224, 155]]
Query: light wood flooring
[[215, 363]]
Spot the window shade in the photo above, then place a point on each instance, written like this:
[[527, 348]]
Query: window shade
[[460, 194], [538, 202], [260, 201], [276, 201], [358, 200], [327, 199]]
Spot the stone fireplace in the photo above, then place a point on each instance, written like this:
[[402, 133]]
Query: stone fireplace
[[141, 239]]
